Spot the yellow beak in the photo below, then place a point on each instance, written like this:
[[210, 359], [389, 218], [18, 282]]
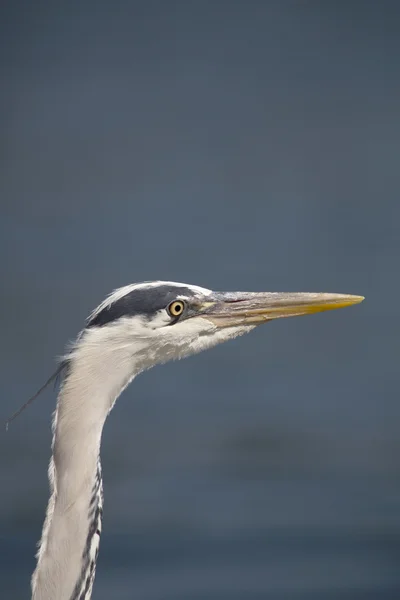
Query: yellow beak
[[242, 308]]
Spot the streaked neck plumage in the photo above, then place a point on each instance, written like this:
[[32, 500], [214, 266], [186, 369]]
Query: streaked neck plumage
[[135, 328], [71, 532], [109, 353]]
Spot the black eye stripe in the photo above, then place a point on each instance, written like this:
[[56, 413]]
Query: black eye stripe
[[145, 301]]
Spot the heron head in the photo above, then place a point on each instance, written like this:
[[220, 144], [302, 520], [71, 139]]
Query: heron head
[[159, 321], [144, 324]]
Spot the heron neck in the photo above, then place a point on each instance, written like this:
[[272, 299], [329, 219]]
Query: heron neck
[[71, 532]]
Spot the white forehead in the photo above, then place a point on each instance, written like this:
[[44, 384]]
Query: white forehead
[[153, 284], [146, 285]]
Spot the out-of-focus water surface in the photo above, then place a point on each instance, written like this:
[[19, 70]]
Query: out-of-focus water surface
[[235, 145]]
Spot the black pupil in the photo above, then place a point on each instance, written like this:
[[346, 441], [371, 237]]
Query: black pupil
[[177, 308]]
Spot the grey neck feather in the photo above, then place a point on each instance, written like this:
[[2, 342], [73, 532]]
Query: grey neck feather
[[71, 531]]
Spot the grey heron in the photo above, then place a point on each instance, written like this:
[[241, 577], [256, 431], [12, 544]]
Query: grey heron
[[135, 328]]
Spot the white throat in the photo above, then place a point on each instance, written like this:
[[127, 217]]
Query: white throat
[[71, 532], [102, 363]]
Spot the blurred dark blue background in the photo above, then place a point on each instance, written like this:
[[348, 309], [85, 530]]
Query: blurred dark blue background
[[235, 145]]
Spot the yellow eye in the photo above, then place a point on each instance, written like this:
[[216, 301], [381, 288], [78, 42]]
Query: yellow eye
[[176, 308]]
